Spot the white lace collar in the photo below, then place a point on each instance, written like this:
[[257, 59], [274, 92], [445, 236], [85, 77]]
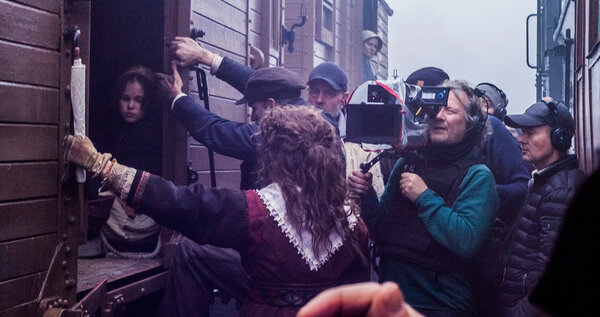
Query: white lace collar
[[302, 241]]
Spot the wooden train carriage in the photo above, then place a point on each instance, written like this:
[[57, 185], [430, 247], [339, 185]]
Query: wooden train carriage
[[42, 221], [586, 84]]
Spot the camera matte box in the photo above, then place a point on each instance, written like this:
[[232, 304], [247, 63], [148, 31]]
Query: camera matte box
[[373, 123]]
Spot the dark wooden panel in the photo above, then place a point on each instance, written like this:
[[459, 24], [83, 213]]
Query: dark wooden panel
[[90, 272], [29, 65], [29, 26], [228, 179], [23, 103], [28, 180], [48, 5], [26, 256], [20, 290], [199, 157], [29, 218], [222, 36], [28, 142], [222, 13]]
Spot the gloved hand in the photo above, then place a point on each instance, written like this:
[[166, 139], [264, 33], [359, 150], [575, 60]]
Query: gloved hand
[[82, 152]]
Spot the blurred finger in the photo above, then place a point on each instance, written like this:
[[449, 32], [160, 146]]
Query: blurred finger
[[350, 300]]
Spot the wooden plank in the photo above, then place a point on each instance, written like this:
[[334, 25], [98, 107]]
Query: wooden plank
[[24, 103], [239, 4], [256, 20], [28, 218], [222, 13], [90, 272], [199, 157], [28, 180], [33, 65], [17, 256], [47, 5], [17, 291], [221, 36], [29, 26], [216, 87], [28, 142]]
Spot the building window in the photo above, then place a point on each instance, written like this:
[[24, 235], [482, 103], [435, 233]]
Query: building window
[[325, 21]]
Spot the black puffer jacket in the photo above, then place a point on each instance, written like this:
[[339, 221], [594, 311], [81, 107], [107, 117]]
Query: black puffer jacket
[[533, 237]]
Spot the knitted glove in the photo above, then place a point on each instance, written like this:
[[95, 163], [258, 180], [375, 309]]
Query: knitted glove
[[82, 152]]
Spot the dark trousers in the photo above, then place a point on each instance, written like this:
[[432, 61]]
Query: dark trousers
[[198, 269]]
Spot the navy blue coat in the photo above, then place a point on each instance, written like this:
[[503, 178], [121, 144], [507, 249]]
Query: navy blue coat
[[504, 159], [230, 138], [226, 137]]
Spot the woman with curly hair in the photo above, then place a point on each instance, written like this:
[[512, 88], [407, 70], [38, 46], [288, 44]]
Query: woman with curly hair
[[297, 236]]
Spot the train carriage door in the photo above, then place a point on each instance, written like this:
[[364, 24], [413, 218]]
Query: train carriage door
[[37, 212]]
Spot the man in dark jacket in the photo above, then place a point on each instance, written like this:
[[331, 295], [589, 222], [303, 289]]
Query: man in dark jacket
[[547, 131], [503, 157], [328, 84], [264, 89]]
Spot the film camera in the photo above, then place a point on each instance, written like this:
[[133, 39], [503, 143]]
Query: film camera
[[391, 116], [392, 113]]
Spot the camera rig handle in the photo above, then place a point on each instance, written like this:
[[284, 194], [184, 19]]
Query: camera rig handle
[[366, 166]]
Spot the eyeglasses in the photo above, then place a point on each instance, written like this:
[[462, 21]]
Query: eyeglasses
[[329, 93]]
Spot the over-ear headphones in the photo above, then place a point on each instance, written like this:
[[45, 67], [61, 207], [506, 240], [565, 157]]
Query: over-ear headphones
[[559, 136], [478, 117], [499, 108]]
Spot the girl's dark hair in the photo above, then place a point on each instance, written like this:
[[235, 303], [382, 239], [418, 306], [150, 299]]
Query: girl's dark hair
[[300, 152], [145, 77]]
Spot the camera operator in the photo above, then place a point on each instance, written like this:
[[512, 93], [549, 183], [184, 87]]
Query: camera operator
[[431, 221]]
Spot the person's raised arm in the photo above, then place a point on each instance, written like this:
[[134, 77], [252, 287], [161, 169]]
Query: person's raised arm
[[187, 52]]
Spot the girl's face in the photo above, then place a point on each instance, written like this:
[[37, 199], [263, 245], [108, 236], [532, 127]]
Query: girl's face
[[370, 47], [130, 102]]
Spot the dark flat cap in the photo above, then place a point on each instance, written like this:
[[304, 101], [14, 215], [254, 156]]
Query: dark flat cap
[[428, 76], [272, 82]]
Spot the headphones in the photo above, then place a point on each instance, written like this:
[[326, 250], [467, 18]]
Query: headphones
[[500, 108], [559, 136], [478, 117]]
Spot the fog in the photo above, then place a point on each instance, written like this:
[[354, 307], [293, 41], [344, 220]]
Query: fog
[[475, 40]]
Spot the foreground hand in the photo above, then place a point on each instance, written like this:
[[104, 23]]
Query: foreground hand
[[363, 299], [186, 52], [169, 86], [82, 152], [412, 185], [360, 183]]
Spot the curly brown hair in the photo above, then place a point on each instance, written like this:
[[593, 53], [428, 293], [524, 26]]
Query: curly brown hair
[[300, 152]]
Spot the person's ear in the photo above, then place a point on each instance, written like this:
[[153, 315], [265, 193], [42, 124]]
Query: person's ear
[[271, 103], [344, 99]]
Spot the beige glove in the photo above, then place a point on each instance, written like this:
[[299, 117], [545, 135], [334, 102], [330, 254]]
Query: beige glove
[[82, 152]]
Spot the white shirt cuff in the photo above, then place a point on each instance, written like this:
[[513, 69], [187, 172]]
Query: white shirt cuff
[[175, 99], [216, 63]]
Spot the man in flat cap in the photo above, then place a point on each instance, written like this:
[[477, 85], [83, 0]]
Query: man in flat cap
[[547, 131], [265, 88], [328, 84]]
